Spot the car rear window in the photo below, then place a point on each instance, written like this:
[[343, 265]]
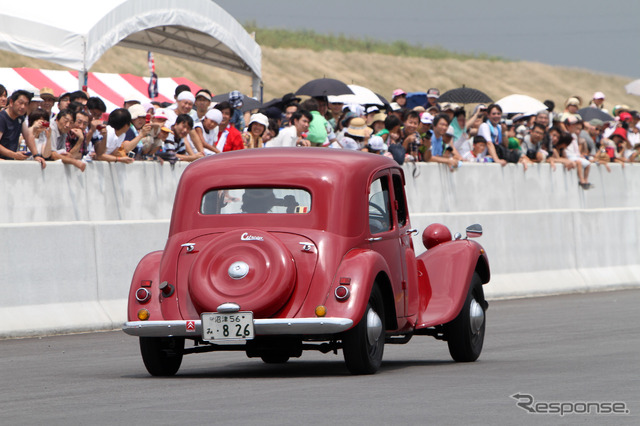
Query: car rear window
[[256, 200]]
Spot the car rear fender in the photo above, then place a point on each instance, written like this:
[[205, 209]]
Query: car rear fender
[[148, 269], [362, 268], [448, 269]]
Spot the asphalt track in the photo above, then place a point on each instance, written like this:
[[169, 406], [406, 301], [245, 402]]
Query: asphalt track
[[570, 349]]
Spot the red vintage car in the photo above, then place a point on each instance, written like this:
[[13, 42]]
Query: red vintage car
[[280, 250]]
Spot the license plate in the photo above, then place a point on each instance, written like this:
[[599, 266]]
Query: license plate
[[235, 326]]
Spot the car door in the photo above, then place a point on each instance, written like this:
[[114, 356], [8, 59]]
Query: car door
[[384, 235], [409, 264]]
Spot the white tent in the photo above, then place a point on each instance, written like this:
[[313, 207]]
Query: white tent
[[75, 33]]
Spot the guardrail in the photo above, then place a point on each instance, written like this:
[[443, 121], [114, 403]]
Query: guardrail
[[69, 241]]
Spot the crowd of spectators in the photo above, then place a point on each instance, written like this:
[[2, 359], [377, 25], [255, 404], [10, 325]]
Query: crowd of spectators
[[76, 129]]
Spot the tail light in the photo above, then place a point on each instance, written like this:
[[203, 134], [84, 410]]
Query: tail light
[[342, 293], [143, 295]]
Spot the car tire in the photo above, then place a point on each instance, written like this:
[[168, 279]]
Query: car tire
[[274, 359], [465, 334], [162, 356], [363, 345]]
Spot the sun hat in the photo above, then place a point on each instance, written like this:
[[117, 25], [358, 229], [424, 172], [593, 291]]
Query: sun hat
[[598, 95], [214, 115], [433, 93], [203, 93], [137, 111], [357, 127], [260, 119], [380, 116], [395, 106], [625, 116], [46, 92], [399, 92], [372, 109], [619, 132], [572, 101]]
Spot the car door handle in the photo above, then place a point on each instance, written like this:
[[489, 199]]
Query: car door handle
[[374, 239], [412, 231]]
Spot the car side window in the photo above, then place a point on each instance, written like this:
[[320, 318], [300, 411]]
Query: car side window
[[379, 212], [398, 191]]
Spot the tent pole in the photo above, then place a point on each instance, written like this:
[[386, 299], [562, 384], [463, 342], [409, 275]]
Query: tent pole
[[255, 87], [82, 79]]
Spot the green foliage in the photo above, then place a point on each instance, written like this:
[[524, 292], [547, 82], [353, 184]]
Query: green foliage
[[308, 39]]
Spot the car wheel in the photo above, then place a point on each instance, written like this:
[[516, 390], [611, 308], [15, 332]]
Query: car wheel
[[162, 356], [275, 359], [465, 334], [363, 345]]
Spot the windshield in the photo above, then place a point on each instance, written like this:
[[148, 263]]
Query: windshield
[[256, 200]]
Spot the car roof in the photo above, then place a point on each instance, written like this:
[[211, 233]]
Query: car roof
[[335, 177], [286, 165]]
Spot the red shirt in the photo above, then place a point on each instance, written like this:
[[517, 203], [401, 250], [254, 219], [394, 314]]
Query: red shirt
[[234, 139]]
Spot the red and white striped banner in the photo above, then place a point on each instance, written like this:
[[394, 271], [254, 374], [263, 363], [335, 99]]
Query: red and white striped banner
[[112, 88]]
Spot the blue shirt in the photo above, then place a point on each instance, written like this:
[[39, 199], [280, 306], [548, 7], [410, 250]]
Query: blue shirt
[[437, 146]]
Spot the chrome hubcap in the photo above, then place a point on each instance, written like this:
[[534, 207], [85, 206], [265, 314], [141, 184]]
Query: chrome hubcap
[[374, 327], [476, 316]]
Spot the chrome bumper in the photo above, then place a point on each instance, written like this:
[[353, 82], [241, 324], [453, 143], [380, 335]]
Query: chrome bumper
[[263, 327]]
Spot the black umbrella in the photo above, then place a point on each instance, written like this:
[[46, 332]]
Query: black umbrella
[[324, 87], [248, 103], [465, 95], [589, 113]]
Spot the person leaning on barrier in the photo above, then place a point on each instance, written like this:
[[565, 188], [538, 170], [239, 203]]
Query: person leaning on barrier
[[177, 141], [60, 129], [39, 127], [13, 123], [113, 136], [293, 135]]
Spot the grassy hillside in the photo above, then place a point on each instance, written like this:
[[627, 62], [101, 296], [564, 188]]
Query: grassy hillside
[[286, 69]]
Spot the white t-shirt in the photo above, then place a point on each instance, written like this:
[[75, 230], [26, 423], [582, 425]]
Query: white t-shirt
[[287, 137], [464, 144], [113, 142], [210, 138]]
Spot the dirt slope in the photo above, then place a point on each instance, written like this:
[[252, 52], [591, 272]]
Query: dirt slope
[[284, 70]]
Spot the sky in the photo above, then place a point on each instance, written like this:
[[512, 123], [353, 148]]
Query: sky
[[598, 35]]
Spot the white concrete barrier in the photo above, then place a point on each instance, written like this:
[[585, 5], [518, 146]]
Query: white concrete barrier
[[70, 241]]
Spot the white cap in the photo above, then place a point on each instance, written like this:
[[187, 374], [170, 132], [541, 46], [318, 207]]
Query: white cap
[[426, 118], [186, 96], [214, 115], [377, 144], [161, 113], [598, 95], [137, 111], [450, 130], [260, 119]]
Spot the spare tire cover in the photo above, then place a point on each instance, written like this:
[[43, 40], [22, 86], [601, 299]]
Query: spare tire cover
[[252, 268]]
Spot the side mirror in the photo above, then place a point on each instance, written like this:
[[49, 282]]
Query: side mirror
[[474, 231]]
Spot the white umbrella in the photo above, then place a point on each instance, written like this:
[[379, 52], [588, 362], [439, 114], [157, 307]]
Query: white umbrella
[[513, 104], [361, 95], [633, 88]]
